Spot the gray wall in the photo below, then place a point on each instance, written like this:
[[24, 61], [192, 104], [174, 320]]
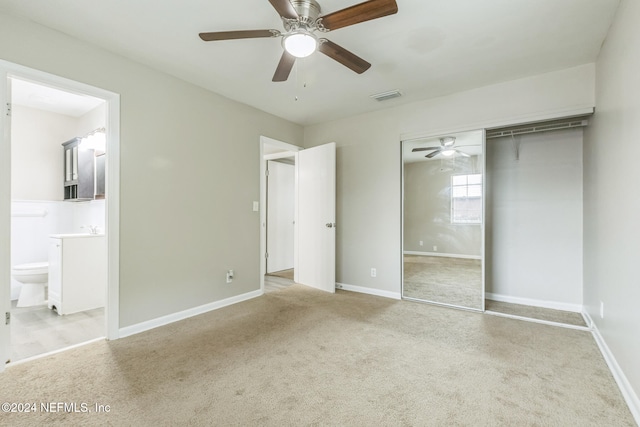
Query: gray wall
[[36, 153], [189, 173], [427, 209], [612, 203], [369, 160], [534, 217]]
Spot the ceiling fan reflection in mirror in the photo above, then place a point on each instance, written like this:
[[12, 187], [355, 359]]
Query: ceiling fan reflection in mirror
[[447, 148], [301, 20]]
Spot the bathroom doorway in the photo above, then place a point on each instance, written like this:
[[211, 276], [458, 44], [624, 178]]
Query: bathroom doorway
[[63, 140]]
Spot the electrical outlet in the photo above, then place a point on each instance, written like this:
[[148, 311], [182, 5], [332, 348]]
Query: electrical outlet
[[421, 243], [435, 248], [229, 276], [373, 272], [601, 310]]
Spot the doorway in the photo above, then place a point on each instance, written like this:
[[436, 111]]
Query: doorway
[[40, 109], [314, 213]]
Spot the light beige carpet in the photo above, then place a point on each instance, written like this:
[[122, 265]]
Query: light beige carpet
[[303, 357], [452, 281]]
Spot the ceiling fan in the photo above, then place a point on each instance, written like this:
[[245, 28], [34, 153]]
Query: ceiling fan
[[301, 19], [447, 148]]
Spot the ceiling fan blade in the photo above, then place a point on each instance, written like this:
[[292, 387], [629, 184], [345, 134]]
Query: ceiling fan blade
[[463, 154], [343, 56], [432, 155], [284, 8], [284, 67], [242, 34], [362, 12], [424, 149]]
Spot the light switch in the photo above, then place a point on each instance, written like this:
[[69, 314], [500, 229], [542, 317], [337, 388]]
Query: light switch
[[256, 206]]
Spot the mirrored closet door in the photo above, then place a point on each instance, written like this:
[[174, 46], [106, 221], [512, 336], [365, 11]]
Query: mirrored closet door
[[443, 219]]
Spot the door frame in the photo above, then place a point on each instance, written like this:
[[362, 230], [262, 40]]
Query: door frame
[[264, 140], [7, 70]]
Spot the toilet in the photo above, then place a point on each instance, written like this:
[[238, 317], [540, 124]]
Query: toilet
[[34, 278]]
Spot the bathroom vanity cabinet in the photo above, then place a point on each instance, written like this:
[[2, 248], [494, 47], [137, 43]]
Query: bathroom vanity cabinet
[[79, 171], [77, 272]]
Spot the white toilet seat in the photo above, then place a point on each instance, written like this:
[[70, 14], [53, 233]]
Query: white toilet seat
[[30, 268]]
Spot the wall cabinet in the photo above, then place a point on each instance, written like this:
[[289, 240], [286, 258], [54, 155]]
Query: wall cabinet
[[100, 176], [77, 272], [79, 171]]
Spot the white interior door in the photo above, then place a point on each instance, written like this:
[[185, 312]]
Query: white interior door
[[316, 217], [280, 215], [5, 219]]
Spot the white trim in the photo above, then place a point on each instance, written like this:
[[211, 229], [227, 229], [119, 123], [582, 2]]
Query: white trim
[[185, 314], [441, 254], [112, 200], [51, 353], [554, 305], [369, 291], [543, 322], [483, 227], [587, 319], [5, 216], [626, 389]]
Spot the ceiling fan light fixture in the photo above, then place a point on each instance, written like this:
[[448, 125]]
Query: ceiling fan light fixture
[[448, 141], [448, 153], [300, 44]]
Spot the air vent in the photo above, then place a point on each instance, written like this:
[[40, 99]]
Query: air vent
[[569, 123], [383, 96]]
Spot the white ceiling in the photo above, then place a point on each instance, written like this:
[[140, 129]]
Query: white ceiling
[[429, 49], [46, 98]]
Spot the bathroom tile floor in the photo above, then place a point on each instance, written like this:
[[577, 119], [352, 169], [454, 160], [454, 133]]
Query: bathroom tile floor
[[275, 282], [38, 330]]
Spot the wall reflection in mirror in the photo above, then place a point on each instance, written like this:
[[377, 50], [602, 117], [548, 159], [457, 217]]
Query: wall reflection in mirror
[[443, 228]]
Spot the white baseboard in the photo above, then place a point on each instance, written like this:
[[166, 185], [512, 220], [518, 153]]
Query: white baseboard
[[542, 322], [370, 291], [626, 389], [554, 305], [441, 254], [181, 315]]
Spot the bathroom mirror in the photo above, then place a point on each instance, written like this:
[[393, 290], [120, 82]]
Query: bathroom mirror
[[443, 219]]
